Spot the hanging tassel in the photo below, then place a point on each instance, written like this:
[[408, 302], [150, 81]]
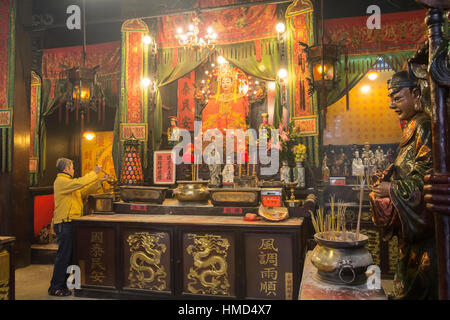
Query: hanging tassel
[[82, 122], [88, 115], [77, 107], [258, 50], [60, 112], [347, 96], [99, 110], [67, 114], [104, 110]]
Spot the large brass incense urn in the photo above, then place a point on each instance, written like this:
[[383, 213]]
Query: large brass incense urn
[[341, 261], [191, 191]]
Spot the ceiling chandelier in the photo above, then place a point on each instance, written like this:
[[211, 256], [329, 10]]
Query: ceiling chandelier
[[192, 38]]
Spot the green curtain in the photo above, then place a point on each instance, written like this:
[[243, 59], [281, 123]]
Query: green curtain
[[186, 61], [358, 67], [243, 56]]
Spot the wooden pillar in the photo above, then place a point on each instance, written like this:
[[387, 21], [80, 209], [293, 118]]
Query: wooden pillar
[[21, 223], [438, 197]]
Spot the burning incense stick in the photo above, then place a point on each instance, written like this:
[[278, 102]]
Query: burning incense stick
[[361, 194]]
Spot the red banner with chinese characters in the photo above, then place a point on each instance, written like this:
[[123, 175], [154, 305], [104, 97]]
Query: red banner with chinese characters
[[133, 69], [399, 31], [35, 100], [164, 168], [4, 35], [105, 55], [231, 25], [300, 34], [186, 102]]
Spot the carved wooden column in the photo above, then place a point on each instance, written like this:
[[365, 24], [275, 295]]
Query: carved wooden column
[[438, 188]]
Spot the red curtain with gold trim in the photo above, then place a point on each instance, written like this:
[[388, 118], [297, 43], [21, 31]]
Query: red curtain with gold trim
[[231, 25], [399, 31]]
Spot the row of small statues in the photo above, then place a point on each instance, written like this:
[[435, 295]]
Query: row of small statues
[[366, 162]]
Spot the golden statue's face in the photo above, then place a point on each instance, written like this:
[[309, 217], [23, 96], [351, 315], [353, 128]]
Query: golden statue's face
[[227, 84]]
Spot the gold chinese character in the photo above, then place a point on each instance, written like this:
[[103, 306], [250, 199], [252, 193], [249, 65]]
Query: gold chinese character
[[96, 250], [268, 287], [97, 276], [269, 273], [97, 237], [268, 258], [267, 244], [96, 263]]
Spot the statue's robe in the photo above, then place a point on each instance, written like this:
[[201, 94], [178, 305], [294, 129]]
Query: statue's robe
[[403, 213], [227, 111]]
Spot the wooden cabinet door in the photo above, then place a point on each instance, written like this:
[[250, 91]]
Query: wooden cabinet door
[[96, 253], [208, 263], [147, 260], [269, 266]]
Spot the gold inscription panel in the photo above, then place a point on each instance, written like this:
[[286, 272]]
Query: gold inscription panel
[[96, 256], [269, 266]]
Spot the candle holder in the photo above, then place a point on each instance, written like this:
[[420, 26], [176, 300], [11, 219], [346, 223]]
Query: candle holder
[[292, 202]]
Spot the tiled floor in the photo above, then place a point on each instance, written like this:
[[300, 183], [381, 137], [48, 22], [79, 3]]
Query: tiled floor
[[32, 283]]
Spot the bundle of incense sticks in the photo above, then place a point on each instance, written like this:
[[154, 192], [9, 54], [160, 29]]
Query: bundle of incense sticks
[[361, 195], [332, 225]]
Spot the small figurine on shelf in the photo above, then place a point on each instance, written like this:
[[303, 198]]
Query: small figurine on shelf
[[325, 170], [214, 165], [228, 174], [343, 164], [357, 166], [367, 155], [379, 155], [265, 134], [173, 132]]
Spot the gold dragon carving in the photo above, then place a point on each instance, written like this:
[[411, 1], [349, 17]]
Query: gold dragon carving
[[209, 274], [145, 258]]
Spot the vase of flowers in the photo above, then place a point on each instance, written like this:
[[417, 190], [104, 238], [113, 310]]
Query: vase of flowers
[[299, 171]]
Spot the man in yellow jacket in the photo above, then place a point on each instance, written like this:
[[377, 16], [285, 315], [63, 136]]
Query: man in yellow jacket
[[69, 194]]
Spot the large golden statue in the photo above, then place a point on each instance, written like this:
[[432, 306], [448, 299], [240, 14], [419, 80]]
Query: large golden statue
[[228, 109]]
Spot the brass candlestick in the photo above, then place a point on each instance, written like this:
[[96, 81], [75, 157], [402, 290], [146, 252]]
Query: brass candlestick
[[292, 202]]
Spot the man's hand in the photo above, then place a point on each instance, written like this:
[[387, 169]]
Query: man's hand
[[382, 190], [98, 168]]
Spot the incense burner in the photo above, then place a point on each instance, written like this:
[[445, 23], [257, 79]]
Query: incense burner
[[341, 261], [143, 194], [191, 191]]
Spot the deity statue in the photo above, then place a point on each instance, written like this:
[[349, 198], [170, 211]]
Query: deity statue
[[214, 165], [173, 132], [397, 197], [325, 169], [228, 173], [357, 166], [228, 109], [367, 155], [265, 134], [342, 165], [379, 155]]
